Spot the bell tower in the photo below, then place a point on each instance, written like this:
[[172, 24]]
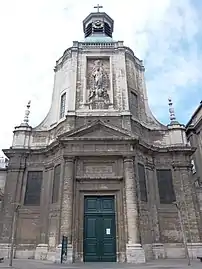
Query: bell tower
[[100, 76], [98, 24]]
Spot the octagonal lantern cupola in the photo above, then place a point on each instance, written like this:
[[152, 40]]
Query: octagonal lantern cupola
[[98, 24]]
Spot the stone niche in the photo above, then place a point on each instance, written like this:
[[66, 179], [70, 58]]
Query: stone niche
[[98, 83]]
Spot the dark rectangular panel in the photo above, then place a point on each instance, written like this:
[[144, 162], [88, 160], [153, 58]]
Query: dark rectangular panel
[[91, 238], [99, 229], [56, 183], [142, 182], [165, 186], [108, 239], [33, 188]]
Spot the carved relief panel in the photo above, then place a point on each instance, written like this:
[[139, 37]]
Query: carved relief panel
[[98, 83], [98, 168]]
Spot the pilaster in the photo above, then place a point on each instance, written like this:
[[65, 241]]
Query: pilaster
[[41, 251], [134, 251], [45, 202], [67, 205], [152, 202], [13, 189], [184, 197], [157, 246]]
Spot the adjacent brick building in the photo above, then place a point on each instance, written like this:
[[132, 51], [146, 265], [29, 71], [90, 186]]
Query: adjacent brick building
[[194, 136], [3, 175], [100, 169]]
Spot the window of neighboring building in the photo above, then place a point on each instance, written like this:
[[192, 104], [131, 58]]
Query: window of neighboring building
[[33, 188], [56, 184], [62, 105], [165, 186], [142, 182]]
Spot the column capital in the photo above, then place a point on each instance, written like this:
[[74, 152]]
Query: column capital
[[48, 166], [70, 159], [128, 158], [149, 165]]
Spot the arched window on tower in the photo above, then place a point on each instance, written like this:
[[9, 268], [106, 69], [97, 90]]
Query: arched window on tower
[[88, 30], [108, 30]]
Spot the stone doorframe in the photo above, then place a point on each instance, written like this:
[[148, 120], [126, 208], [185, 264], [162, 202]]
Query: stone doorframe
[[89, 188]]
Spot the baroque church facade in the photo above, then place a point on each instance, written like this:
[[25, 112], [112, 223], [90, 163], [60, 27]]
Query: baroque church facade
[[100, 169]]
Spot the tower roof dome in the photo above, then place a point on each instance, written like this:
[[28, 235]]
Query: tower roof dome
[[98, 27]]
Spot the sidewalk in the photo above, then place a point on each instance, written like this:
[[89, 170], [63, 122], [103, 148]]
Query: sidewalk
[[160, 264]]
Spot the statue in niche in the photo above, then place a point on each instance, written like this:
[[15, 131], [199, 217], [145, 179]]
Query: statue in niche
[[98, 75], [98, 96]]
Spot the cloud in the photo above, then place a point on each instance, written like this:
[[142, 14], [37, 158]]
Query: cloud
[[172, 58], [164, 33]]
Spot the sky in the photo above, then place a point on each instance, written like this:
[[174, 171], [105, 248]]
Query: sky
[[165, 34]]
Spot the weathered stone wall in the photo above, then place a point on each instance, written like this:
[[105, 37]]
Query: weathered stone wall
[[101, 167], [160, 222], [98, 176], [132, 74]]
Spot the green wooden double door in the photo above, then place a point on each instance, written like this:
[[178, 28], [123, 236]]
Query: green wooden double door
[[99, 243]]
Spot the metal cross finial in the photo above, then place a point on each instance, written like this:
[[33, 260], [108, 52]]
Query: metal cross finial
[[98, 7]]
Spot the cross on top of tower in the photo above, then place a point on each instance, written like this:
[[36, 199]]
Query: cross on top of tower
[[98, 7]]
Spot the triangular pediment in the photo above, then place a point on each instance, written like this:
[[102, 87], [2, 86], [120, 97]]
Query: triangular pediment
[[97, 130]]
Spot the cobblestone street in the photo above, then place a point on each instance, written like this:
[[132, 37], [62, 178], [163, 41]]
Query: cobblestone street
[[160, 264]]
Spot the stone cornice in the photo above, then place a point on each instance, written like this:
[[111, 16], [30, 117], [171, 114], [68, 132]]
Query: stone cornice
[[133, 140], [152, 150], [99, 153], [182, 166], [63, 140], [11, 152]]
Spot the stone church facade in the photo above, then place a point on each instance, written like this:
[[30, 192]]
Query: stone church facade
[[100, 169]]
